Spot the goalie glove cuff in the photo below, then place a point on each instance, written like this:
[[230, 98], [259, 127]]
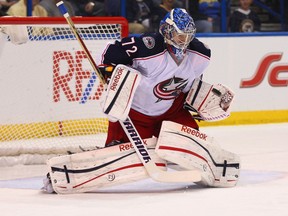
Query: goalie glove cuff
[[106, 71]]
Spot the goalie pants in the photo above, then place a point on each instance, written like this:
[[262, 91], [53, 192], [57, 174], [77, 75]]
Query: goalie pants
[[148, 126]]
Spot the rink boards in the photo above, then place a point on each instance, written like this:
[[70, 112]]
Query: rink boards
[[255, 67]]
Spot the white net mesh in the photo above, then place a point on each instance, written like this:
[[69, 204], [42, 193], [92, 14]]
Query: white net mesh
[[42, 83]]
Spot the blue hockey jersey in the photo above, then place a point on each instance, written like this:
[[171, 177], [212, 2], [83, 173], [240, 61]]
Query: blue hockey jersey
[[163, 78]]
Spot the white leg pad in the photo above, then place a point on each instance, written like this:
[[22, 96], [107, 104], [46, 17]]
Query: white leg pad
[[88, 171], [192, 149]]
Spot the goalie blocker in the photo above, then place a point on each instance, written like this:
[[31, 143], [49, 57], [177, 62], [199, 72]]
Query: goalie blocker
[[120, 92]]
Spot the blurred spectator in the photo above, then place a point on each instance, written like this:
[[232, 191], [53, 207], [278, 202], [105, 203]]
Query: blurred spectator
[[113, 7], [177, 3], [139, 15], [211, 8], [88, 7], [20, 9], [286, 16], [202, 21], [243, 19], [161, 10], [2, 13], [5, 5], [53, 10]]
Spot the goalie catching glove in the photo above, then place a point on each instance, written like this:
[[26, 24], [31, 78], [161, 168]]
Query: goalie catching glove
[[210, 102]]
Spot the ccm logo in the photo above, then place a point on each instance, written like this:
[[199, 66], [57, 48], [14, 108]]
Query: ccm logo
[[273, 72]]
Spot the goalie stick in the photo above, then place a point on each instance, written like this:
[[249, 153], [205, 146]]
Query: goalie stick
[[153, 171], [66, 15]]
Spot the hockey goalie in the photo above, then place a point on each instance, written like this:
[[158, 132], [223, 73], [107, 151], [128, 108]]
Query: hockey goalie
[[151, 100]]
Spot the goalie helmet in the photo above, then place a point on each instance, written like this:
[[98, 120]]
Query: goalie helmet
[[178, 28]]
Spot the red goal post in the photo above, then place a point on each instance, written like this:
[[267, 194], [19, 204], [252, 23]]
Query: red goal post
[[61, 21], [41, 85]]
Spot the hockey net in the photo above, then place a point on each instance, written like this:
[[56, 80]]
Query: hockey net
[[41, 85]]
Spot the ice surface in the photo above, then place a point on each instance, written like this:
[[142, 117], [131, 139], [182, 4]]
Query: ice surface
[[262, 189]]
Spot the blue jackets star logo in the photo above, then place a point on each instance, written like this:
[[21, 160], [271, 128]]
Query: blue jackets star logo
[[169, 89]]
